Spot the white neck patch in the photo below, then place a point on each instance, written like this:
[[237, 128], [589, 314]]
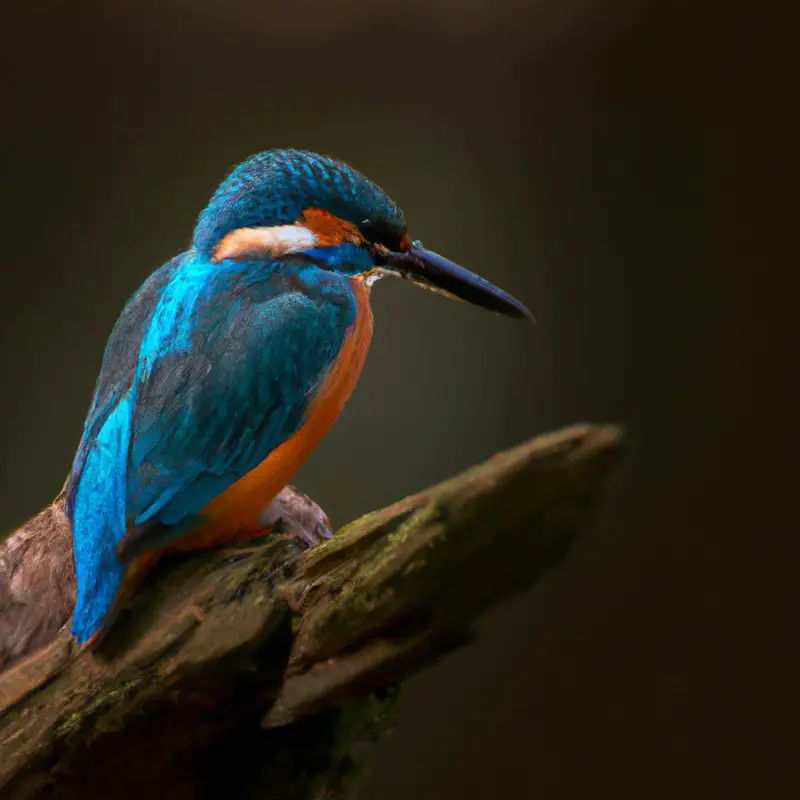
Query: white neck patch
[[279, 240], [374, 275]]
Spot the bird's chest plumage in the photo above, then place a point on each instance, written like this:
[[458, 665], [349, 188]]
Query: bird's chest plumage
[[239, 508]]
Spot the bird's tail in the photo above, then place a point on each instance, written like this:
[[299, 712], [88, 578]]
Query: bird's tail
[[98, 516]]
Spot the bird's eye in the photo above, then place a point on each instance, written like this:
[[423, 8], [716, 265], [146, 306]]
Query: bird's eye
[[381, 233]]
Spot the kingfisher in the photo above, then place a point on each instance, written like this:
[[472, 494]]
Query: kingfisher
[[230, 363]]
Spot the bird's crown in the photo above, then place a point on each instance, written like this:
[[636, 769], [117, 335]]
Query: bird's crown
[[275, 187]]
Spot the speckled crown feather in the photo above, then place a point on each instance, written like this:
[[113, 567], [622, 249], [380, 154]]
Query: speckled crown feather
[[274, 187]]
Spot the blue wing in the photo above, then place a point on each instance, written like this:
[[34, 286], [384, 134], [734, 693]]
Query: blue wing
[[218, 368]]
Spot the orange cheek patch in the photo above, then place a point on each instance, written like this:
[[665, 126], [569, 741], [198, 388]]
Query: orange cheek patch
[[329, 229]]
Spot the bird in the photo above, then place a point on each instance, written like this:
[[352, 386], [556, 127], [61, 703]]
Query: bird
[[229, 364]]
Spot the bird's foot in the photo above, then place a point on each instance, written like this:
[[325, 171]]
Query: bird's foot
[[295, 514]]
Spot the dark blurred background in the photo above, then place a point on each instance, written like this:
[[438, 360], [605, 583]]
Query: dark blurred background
[[611, 164]]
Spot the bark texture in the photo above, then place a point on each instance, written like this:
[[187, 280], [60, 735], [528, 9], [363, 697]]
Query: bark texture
[[254, 672]]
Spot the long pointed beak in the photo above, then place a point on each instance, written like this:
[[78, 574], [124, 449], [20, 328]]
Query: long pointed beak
[[435, 272]]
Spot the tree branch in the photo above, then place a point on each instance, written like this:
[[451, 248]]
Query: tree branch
[[276, 659]]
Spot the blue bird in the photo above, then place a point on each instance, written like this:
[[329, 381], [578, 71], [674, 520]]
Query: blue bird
[[231, 362]]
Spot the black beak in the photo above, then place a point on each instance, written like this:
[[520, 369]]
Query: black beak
[[432, 271]]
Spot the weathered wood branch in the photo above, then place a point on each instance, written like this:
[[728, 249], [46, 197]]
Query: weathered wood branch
[[251, 672]]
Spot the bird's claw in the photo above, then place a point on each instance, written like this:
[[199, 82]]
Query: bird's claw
[[297, 515]]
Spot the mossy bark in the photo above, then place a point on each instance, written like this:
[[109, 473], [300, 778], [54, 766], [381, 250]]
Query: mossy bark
[[252, 672]]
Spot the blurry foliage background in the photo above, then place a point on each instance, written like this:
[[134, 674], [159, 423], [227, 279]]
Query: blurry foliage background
[[594, 159]]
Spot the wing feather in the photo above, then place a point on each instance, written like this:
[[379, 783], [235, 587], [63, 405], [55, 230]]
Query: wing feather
[[206, 417], [206, 372]]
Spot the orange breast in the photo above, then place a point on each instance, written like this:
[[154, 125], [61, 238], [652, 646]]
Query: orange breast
[[235, 512]]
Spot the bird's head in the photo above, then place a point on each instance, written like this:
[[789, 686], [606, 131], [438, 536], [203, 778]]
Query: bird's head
[[293, 202]]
